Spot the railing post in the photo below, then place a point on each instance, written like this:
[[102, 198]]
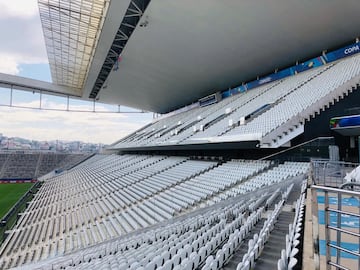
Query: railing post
[[333, 228], [327, 232], [359, 230], [315, 225], [338, 224], [325, 169]]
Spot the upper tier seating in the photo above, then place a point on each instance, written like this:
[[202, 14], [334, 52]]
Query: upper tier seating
[[272, 114]]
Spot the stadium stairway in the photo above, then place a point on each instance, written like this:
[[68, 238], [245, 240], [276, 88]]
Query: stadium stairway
[[38, 165], [238, 255], [4, 166], [270, 254], [276, 242]]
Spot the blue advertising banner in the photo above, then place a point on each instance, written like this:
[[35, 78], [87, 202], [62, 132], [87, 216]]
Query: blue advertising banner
[[273, 77], [225, 94], [343, 52], [233, 91], [254, 84], [312, 63], [242, 88], [238, 89], [346, 121]]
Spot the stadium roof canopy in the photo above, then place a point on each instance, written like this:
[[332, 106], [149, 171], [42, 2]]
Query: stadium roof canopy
[[71, 30], [159, 55]]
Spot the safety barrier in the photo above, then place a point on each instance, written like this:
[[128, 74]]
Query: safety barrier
[[336, 215]]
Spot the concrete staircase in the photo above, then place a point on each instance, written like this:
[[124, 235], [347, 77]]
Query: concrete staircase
[[272, 250]]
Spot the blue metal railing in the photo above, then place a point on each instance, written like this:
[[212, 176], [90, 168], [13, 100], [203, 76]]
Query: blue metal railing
[[340, 227]]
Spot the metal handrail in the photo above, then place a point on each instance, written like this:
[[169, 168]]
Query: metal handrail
[[330, 173], [296, 147], [344, 231], [330, 227], [336, 190]]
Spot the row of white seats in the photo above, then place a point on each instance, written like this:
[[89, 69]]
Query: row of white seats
[[164, 128], [304, 97], [164, 131], [274, 175], [270, 96], [205, 227], [91, 185], [199, 249], [174, 246], [215, 181], [105, 219], [80, 221], [199, 254], [256, 245]]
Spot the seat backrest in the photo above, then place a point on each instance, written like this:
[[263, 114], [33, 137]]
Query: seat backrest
[[185, 263], [165, 255], [194, 257], [176, 260], [209, 259], [188, 249], [182, 253], [177, 267], [150, 266], [158, 261], [214, 265], [281, 265], [240, 266], [136, 265], [202, 253], [172, 251], [167, 265]]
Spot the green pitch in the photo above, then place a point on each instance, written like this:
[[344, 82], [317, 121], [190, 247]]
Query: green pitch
[[10, 194]]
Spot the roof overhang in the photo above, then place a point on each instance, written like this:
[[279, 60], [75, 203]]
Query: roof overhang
[[71, 30], [27, 84], [183, 50]]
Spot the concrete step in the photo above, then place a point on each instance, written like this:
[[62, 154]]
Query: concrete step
[[276, 242], [239, 253]]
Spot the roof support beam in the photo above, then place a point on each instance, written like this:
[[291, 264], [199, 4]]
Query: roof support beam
[[131, 18]]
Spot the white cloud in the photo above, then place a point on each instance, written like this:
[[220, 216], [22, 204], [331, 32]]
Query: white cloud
[[22, 40], [52, 125], [8, 64], [18, 8]]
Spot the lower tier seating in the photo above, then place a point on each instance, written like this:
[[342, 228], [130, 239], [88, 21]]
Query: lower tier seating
[[105, 202]]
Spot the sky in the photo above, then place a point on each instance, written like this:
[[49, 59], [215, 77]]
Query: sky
[[23, 53]]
